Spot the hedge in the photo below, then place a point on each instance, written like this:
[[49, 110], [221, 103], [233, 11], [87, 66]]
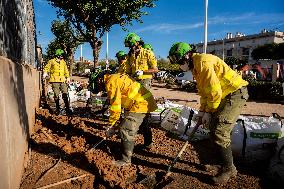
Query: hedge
[[265, 90], [258, 90]]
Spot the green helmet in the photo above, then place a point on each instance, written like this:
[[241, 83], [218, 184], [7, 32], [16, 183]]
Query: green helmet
[[178, 50], [120, 54], [148, 46], [131, 39], [59, 52]]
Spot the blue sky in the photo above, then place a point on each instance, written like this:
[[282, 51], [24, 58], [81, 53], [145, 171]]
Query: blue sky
[[179, 20]]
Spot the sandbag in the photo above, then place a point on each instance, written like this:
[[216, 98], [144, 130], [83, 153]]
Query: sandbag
[[200, 134], [171, 120], [276, 166], [254, 138]]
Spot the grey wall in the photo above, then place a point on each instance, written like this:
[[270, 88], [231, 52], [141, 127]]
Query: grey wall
[[19, 96], [19, 87]]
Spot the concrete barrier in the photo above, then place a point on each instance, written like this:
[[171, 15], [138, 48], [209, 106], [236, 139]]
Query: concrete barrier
[[19, 97]]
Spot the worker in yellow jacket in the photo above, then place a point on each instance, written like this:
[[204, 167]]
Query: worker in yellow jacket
[[122, 63], [142, 61], [223, 93], [124, 92], [58, 73]]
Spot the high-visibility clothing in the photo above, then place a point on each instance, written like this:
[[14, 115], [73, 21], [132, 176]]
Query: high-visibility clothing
[[215, 80], [145, 60], [58, 70], [125, 92], [124, 67]]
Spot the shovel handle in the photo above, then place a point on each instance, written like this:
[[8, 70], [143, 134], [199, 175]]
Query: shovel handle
[[184, 146], [98, 143]]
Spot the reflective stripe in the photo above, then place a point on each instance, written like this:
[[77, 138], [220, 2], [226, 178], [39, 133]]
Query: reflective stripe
[[135, 91], [144, 97], [115, 107]]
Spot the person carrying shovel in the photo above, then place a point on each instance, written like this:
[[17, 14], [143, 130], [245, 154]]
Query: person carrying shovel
[[223, 93], [124, 92], [59, 75]]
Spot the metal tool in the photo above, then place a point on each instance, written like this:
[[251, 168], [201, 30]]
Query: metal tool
[[187, 126], [151, 181]]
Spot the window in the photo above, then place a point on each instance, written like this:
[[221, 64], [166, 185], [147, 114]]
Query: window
[[213, 52], [229, 52], [245, 51]]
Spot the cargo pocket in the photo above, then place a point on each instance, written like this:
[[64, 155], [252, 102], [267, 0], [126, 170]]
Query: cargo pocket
[[245, 94]]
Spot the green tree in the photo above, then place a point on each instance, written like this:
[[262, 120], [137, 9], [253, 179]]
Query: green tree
[[231, 61], [263, 52], [92, 18], [269, 51], [164, 64], [68, 38], [51, 48]]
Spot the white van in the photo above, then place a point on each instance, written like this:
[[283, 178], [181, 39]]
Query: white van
[[184, 76]]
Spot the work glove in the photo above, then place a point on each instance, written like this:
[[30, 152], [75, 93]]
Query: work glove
[[206, 120], [138, 73], [198, 116], [68, 79], [110, 131], [45, 75]]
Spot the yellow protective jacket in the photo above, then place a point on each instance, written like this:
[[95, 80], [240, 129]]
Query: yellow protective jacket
[[144, 61], [58, 70], [124, 67], [215, 80], [125, 92]]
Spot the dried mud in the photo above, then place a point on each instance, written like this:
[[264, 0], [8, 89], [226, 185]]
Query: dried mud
[[61, 148]]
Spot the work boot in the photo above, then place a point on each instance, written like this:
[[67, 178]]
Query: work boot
[[67, 103], [228, 169], [147, 134], [144, 146], [127, 150], [57, 105]]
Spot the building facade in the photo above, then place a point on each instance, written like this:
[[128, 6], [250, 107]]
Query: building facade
[[240, 45]]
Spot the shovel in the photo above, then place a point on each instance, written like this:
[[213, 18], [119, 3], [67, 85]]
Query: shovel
[[152, 181], [102, 140]]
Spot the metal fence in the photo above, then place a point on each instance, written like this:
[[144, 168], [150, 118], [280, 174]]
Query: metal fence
[[17, 31]]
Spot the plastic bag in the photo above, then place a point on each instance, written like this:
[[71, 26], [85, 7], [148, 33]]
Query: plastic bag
[[253, 136]]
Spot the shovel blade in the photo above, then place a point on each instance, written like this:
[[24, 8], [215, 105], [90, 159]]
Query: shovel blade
[[156, 180], [150, 181]]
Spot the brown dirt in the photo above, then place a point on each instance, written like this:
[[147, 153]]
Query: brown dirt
[[61, 148]]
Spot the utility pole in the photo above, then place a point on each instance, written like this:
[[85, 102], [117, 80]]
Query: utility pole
[[81, 55], [205, 27], [223, 51]]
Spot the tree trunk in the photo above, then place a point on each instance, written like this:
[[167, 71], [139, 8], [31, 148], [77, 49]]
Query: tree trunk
[[96, 55], [71, 62]]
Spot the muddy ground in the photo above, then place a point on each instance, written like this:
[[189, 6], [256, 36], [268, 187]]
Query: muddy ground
[[62, 154]]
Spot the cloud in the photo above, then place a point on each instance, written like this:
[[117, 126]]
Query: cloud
[[226, 19], [168, 28]]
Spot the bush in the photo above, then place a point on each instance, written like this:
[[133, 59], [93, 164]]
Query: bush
[[264, 90], [258, 90]]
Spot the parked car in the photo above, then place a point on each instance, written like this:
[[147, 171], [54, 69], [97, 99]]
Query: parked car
[[184, 77]]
